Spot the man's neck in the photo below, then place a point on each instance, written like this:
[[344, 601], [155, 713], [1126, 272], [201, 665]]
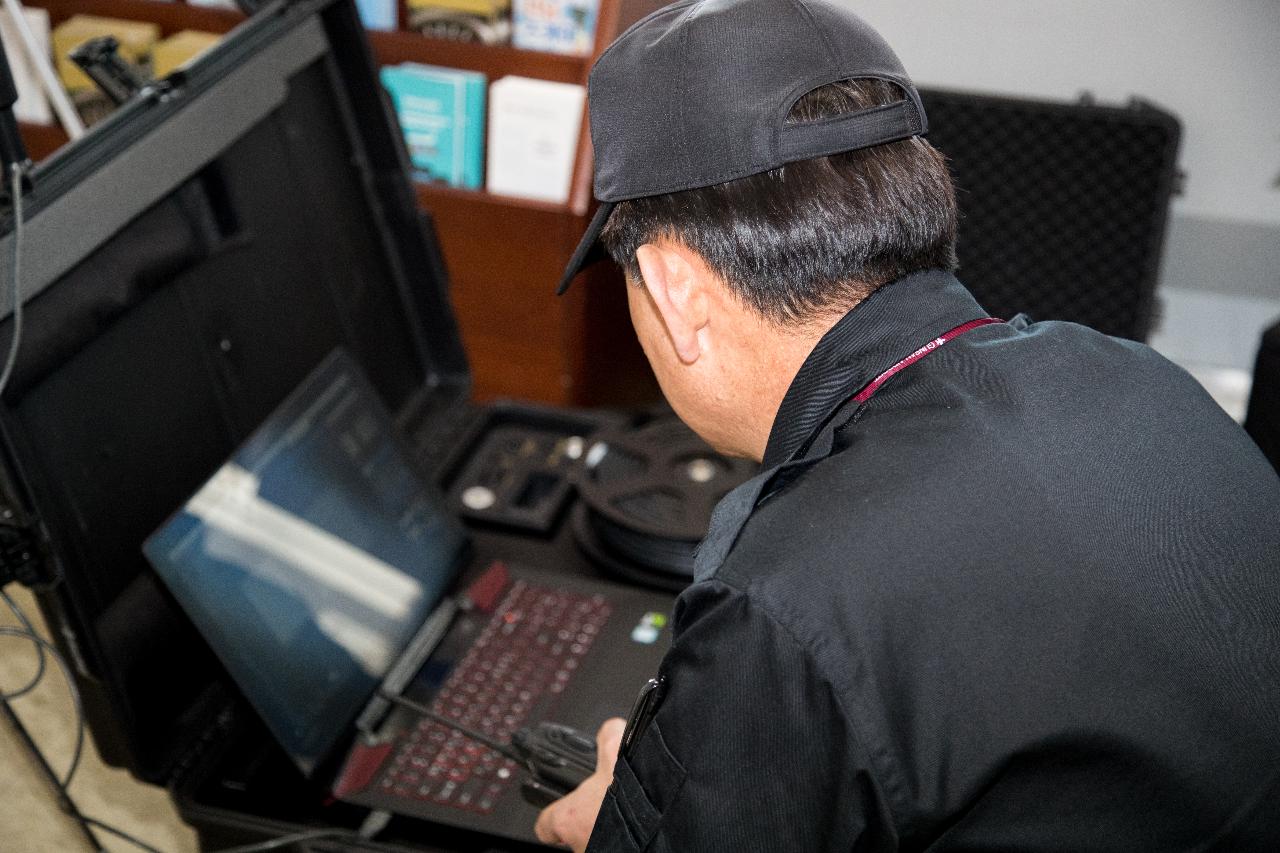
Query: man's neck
[[771, 358]]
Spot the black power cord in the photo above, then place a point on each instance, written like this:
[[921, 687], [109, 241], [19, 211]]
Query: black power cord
[[40, 659], [65, 781]]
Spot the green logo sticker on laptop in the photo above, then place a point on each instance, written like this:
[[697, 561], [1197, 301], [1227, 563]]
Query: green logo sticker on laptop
[[648, 629]]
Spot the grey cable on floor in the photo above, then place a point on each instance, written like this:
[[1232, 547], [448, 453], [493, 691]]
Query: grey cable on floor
[[75, 694], [40, 662], [15, 187]]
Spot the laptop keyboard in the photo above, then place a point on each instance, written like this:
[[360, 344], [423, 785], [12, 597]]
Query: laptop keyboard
[[519, 664]]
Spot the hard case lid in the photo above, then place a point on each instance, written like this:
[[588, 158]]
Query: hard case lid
[[186, 264], [1064, 206]]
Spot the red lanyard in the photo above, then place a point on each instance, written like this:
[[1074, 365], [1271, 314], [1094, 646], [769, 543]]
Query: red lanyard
[[874, 385]]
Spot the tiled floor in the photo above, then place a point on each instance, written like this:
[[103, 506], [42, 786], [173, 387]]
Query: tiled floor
[[30, 819]]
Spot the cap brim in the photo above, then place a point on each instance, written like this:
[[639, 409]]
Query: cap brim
[[590, 250]]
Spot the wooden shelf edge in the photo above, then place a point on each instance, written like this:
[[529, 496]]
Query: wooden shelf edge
[[42, 139], [171, 17], [493, 61], [427, 192]]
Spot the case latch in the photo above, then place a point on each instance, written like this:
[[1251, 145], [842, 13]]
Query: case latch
[[21, 555]]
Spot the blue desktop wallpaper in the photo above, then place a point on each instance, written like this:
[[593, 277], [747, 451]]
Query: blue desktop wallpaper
[[311, 557]]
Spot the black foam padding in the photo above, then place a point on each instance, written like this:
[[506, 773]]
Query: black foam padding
[[1063, 206]]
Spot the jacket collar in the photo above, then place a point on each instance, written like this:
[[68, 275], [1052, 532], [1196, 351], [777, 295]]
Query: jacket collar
[[876, 333]]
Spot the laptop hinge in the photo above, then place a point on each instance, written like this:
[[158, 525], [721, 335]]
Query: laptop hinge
[[415, 655]]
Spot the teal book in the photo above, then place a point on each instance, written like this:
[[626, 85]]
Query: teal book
[[441, 112], [378, 14]]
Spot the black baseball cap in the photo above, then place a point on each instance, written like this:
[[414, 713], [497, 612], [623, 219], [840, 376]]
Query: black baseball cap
[[698, 93]]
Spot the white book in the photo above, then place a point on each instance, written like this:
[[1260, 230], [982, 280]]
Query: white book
[[32, 105], [533, 137]]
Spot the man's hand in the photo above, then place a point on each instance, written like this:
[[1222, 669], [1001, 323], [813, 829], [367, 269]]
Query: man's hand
[[569, 820]]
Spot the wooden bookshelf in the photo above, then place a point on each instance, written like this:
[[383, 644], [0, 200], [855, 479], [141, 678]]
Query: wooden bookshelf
[[42, 139], [170, 17], [504, 254]]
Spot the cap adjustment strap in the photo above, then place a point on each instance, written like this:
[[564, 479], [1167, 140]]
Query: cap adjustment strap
[[863, 129]]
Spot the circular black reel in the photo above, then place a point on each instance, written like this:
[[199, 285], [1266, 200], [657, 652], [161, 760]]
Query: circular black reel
[[648, 494]]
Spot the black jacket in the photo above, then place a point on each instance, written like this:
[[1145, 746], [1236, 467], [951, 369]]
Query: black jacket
[[1026, 597]]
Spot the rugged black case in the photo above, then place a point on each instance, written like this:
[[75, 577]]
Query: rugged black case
[[187, 264], [1063, 206]]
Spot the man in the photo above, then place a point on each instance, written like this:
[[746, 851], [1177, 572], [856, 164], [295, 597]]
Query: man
[[1000, 585]]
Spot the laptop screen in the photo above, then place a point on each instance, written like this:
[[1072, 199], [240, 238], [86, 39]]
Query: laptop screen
[[311, 557]]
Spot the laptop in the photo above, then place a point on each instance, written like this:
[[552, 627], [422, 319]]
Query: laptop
[[327, 575]]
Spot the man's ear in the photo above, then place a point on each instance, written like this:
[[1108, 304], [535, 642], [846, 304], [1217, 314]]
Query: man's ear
[[676, 282]]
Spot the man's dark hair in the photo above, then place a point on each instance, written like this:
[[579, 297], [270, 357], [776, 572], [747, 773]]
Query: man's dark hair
[[811, 236]]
